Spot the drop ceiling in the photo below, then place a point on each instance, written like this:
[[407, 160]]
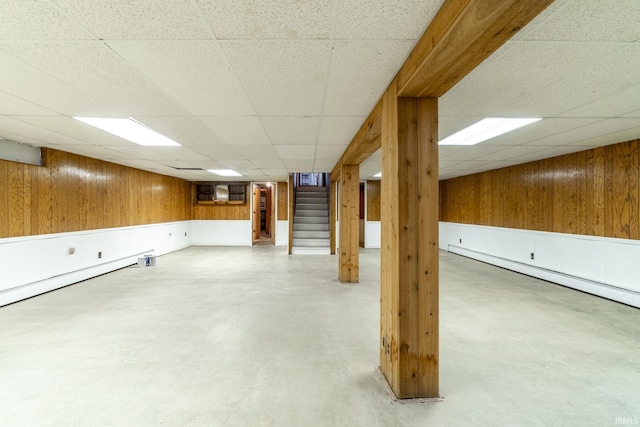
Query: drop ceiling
[[269, 87]]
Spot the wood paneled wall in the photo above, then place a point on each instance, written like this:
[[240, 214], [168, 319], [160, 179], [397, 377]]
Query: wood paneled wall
[[373, 200], [594, 192], [283, 201], [73, 193]]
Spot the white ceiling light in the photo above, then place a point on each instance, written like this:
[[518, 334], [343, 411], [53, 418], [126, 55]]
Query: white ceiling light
[[224, 172], [378, 175], [486, 129], [131, 130]]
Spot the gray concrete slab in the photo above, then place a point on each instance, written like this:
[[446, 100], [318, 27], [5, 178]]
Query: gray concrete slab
[[251, 336]]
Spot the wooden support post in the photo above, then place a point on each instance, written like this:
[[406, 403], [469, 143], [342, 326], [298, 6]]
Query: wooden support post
[[349, 226], [292, 201], [409, 255], [332, 217]]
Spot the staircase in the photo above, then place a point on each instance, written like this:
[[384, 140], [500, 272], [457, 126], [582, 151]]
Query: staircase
[[311, 221]]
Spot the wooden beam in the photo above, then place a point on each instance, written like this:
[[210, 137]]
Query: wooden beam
[[461, 35], [409, 251], [335, 173], [349, 224], [332, 217]]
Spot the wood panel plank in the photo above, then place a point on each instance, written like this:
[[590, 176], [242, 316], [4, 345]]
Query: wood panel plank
[[15, 175], [4, 199], [620, 177], [569, 193], [373, 200], [581, 194], [283, 201], [530, 173], [634, 189], [30, 199], [558, 194], [332, 215], [497, 199]]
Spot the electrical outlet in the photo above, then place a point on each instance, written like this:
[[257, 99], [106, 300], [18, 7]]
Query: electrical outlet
[[532, 255], [100, 254]]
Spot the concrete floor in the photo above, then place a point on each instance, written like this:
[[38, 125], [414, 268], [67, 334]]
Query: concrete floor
[[253, 337]]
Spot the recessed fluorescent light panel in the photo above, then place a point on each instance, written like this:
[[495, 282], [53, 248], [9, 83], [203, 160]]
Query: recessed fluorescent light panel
[[224, 172], [486, 129], [131, 130]]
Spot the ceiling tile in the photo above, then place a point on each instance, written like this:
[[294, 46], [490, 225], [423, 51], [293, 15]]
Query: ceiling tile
[[26, 82], [237, 164], [276, 174], [218, 151], [620, 103], [179, 153], [617, 72], [237, 131], [610, 138], [259, 152], [139, 19], [18, 128], [296, 152], [588, 20], [284, 130], [12, 105], [268, 19], [360, 73], [267, 164], [294, 166], [516, 74], [96, 70], [477, 151], [194, 73], [323, 165], [188, 131], [281, 77], [208, 164], [584, 133], [330, 152], [384, 19], [45, 22], [74, 129], [136, 152], [337, 130], [540, 129]]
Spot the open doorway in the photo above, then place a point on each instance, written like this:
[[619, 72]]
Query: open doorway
[[263, 214]]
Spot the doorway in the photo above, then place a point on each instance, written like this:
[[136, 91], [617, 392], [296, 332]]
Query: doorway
[[263, 214]]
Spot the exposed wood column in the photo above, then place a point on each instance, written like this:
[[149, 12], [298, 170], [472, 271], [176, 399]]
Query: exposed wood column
[[292, 203], [409, 255], [332, 217], [349, 223]]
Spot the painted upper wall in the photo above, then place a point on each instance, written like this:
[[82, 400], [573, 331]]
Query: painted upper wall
[[75, 193], [594, 192]]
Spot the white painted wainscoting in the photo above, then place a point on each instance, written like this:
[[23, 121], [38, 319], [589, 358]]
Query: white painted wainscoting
[[36, 264], [282, 233], [221, 233], [372, 233], [606, 267]]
